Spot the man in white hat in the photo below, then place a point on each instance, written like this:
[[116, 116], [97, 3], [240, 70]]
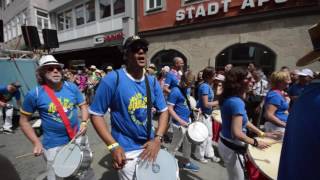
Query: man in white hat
[[305, 76], [57, 131], [300, 155]]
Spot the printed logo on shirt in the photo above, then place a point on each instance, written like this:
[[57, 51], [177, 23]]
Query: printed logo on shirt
[[67, 107], [138, 109]]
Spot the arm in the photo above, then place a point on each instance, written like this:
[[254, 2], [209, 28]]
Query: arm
[[118, 155], [174, 115], [208, 104], [84, 118], [270, 115], [166, 89], [31, 135], [236, 129]]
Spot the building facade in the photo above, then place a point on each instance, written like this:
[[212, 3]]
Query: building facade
[[16, 13], [91, 31], [270, 33]]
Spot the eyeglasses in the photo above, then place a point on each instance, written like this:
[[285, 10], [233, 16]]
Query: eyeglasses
[[52, 68], [137, 48]]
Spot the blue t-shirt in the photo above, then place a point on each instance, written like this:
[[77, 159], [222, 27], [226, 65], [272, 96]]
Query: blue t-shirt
[[6, 96], [54, 130], [232, 106], [276, 99], [296, 89], [205, 89], [172, 79], [128, 104], [179, 102], [300, 155]]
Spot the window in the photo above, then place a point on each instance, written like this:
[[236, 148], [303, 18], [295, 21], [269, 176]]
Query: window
[[14, 28], [79, 15], [105, 8], [118, 6], [60, 21], [24, 19], [9, 31], [18, 25], [90, 11], [153, 4], [42, 20], [68, 19]]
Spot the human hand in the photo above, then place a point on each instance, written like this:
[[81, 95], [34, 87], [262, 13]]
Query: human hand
[[83, 128], [262, 145], [37, 149], [277, 135], [184, 124], [3, 104], [151, 149], [118, 158]]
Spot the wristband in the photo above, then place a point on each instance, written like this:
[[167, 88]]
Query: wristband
[[160, 137], [255, 142], [111, 147], [262, 134], [84, 123]]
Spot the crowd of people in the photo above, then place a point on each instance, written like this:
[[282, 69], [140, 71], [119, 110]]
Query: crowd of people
[[251, 104]]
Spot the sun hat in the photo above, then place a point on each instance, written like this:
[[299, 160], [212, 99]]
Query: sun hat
[[47, 60]]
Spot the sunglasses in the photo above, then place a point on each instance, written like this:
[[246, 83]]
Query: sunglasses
[[52, 68], [137, 48]]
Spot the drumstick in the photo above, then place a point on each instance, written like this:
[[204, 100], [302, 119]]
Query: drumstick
[[24, 155]]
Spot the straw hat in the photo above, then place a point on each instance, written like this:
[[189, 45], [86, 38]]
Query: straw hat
[[48, 60], [314, 55]]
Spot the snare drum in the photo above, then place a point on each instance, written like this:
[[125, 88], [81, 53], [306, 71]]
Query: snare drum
[[266, 160], [197, 132], [164, 168], [72, 160]]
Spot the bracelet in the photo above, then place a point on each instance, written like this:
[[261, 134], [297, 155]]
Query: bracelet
[[262, 134], [84, 123], [111, 147], [255, 142], [160, 137]]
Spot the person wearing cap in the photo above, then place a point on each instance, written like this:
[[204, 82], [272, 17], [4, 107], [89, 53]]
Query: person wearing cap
[[7, 92], [305, 76], [55, 133], [174, 75], [152, 69], [124, 92], [109, 69], [300, 155]]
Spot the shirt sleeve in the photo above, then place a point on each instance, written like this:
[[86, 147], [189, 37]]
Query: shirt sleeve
[[274, 99], [172, 97], [203, 90], [103, 96], [237, 108], [29, 104]]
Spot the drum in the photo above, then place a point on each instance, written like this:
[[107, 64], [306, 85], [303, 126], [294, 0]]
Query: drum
[[266, 160], [216, 115], [164, 168], [72, 160], [197, 132], [193, 102]]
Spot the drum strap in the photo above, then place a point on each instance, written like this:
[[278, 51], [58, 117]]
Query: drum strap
[[188, 103], [148, 106], [64, 117]]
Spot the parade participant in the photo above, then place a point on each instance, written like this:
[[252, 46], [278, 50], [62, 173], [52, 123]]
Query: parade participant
[[124, 92], [7, 92], [152, 69], [233, 138], [227, 68], [56, 133], [206, 104], [305, 76], [276, 103], [300, 150], [174, 75], [180, 113]]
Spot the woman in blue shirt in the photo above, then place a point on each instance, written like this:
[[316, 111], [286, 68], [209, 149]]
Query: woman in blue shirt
[[235, 122], [277, 103]]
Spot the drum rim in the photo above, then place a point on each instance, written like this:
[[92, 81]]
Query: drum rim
[[78, 166], [258, 167]]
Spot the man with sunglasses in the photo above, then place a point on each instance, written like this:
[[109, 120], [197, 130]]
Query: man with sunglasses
[[124, 92], [55, 130]]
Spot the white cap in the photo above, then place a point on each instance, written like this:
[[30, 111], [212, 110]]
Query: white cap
[[47, 60], [166, 69], [306, 72], [93, 67], [220, 77]]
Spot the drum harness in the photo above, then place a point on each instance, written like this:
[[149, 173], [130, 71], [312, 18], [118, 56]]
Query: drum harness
[[188, 103]]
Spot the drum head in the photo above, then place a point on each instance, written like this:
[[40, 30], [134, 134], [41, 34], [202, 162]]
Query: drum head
[[197, 132], [164, 168], [67, 161]]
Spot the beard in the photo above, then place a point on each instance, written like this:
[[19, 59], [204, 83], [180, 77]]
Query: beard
[[54, 79]]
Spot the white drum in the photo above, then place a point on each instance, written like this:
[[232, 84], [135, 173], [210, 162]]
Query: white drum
[[72, 160], [164, 168], [197, 132]]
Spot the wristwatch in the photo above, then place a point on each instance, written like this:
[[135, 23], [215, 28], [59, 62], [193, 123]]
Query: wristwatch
[[159, 136]]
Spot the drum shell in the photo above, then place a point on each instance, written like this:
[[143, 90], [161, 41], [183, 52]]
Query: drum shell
[[199, 128], [86, 160]]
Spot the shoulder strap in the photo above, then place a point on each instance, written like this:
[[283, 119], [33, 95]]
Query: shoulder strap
[[188, 103], [64, 117], [148, 106]]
